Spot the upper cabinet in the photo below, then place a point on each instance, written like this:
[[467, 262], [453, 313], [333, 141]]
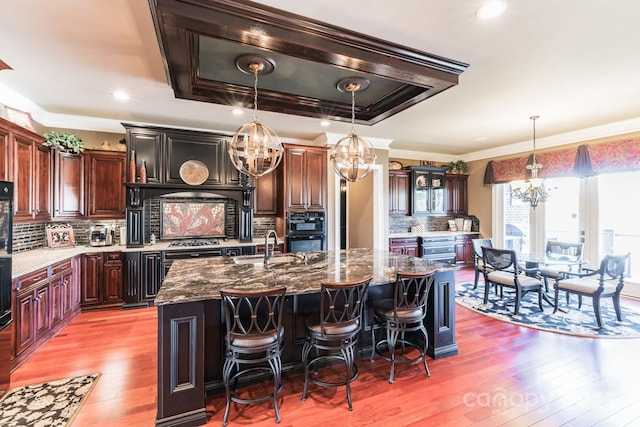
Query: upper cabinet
[[26, 162], [69, 186], [428, 190], [399, 184], [457, 194], [267, 195], [305, 170], [165, 153], [105, 178]]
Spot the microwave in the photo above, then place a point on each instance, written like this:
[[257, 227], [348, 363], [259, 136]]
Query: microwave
[[305, 223]]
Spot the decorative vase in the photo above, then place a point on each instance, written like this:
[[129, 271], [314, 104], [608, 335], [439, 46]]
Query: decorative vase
[[132, 167], [143, 173]]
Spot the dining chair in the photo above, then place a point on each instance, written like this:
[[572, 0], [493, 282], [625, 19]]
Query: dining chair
[[560, 257], [478, 263], [335, 336], [504, 270], [607, 281], [254, 338]]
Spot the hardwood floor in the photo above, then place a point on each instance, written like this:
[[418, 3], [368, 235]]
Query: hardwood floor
[[504, 375]]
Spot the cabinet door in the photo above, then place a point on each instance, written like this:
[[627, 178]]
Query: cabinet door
[[151, 274], [181, 147], [437, 193], [67, 293], [42, 309], [411, 250], [113, 278], [316, 179], [266, 194], [106, 194], [460, 252], [42, 185], [5, 144], [132, 281], [457, 194], [24, 331], [296, 178], [398, 192], [57, 300], [69, 195], [91, 278], [23, 178]]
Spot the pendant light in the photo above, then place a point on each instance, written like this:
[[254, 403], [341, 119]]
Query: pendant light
[[353, 156], [531, 191], [255, 149]]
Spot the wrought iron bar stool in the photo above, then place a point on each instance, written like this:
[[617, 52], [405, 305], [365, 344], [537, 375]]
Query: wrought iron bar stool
[[253, 339], [336, 336], [400, 316]]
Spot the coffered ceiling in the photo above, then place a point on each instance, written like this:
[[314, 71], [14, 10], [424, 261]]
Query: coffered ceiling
[[574, 63]]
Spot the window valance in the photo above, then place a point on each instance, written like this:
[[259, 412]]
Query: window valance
[[582, 161]]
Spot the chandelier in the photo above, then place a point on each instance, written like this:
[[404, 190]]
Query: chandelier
[[255, 149], [531, 191], [353, 156]]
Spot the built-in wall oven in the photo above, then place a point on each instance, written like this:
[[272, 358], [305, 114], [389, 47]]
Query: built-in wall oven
[[306, 231]]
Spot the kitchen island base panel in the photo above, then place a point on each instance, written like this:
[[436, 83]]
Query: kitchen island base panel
[[191, 344]]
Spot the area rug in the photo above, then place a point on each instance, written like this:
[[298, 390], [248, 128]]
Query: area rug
[[54, 403], [581, 322]]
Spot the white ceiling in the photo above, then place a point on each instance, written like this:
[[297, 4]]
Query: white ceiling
[[575, 63]]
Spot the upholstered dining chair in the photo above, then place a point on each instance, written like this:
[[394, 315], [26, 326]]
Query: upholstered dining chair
[[478, 263], [503, 269], [335, 336], [560, 257], [253, 340], [401, 316], [607, 281]]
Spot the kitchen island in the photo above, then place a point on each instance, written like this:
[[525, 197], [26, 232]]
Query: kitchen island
[[191, 327]]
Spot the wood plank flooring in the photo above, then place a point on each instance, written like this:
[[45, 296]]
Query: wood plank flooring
[[504, 375]]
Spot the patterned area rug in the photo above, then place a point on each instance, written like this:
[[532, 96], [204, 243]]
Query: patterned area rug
[[54, 403], [580, 322]]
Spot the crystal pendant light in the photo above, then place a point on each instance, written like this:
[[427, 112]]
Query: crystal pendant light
[[255, 149], [353, 156], [531, 191]]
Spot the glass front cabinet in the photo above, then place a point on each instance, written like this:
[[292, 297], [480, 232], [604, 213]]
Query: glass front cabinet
[[427, 195]]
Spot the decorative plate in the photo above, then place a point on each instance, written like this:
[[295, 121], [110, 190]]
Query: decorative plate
[[194, 172], [395, 165]]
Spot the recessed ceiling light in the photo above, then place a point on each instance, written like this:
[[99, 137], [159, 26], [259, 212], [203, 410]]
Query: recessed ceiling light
[[121, 95], [481, 138], [492, 9], [325, 123], [237, 112]]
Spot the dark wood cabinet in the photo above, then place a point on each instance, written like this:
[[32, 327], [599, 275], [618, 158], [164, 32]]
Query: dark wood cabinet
[[457, 194], [5, 146], [399, 184], [106, 175], [31, 174], [464, 249], [404, 245], [102, 280], [305, 170], [206, 148], [69, 186], [151, 274], [145, 145], [267, 194], [428, 190], [45, 301]]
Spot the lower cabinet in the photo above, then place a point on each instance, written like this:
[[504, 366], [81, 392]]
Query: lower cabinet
[[102, 280], [45, 301], [464, 249], [438, 248], [404, 245]]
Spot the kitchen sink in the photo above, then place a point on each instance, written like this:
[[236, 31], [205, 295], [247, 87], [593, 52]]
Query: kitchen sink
[[258, 260]]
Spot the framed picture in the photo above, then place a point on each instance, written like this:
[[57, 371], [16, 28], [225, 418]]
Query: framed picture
[[466, 225], [20, 118], [452, 225], [60, 237]]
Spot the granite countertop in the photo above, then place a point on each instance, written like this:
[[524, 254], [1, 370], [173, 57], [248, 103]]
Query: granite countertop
[[202, 279], [431, 233], [28, 261]]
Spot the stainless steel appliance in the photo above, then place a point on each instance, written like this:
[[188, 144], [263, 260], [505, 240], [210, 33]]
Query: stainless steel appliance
[[306, 231], [101, 235], [6, 320]]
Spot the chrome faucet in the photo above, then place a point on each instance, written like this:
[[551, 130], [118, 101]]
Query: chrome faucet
[[267, 254]]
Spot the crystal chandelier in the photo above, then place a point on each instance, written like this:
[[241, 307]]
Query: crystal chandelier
[[255, 149], [531, 191], [353, 156]]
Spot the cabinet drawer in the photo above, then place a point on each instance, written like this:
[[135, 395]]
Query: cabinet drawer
[[112, 256], [32, 278], [171, 255], [426, 250], [61, 267], [403, 241], [438, 240]]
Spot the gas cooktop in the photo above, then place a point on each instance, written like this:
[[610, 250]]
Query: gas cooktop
[[194, 242]]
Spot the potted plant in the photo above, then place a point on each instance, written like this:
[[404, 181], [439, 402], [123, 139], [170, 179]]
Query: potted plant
[[67, 142], [459, 166]]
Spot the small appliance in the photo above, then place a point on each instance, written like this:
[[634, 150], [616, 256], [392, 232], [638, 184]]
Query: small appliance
[[101, 235]]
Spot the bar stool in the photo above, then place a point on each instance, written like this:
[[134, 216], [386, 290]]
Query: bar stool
[[254, 339], [405, 313], [336, 336]]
